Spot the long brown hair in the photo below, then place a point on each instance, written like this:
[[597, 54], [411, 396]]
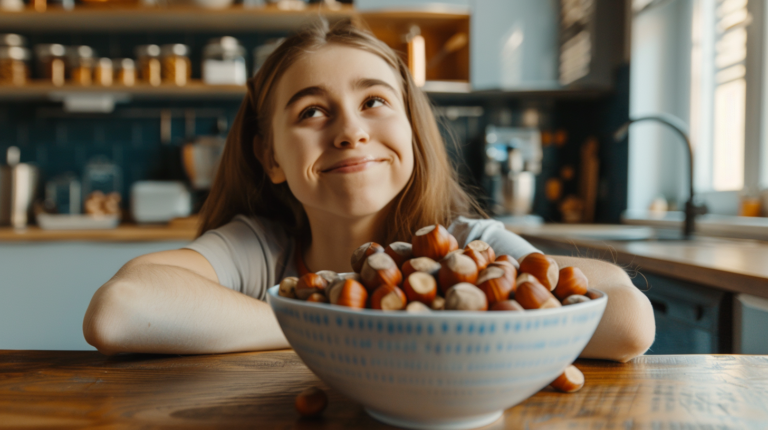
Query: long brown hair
[[432, 195]]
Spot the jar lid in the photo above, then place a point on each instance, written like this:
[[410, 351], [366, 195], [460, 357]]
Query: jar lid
[[124, 63], [50, 50], [14, 53], [104, 62], [178, 49], [147, 51], [223, 45], [81, 51], [11, 39]]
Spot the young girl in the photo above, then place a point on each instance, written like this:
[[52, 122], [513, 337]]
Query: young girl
[[334, 146]]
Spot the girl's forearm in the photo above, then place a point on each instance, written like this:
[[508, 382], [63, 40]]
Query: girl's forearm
[[167, 309], [627, 328]]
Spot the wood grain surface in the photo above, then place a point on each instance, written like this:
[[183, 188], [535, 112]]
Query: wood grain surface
[[76, 389]]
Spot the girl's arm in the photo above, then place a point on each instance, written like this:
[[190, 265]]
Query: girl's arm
[[171, 303], [627, 328]]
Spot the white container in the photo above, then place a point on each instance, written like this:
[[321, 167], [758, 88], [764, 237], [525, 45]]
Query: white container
[[224, 62], [159, 201], [77, 222], [436, 370]]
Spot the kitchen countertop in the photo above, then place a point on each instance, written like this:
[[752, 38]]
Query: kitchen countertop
[[736, 265], [76, 389], [123, 233]]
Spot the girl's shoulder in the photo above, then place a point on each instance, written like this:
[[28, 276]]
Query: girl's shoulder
[[466, 229]]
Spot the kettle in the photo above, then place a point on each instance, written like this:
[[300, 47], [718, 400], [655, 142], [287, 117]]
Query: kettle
[[18, 182]]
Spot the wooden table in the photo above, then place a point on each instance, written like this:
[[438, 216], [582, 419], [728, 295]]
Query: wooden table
[[76, 389]]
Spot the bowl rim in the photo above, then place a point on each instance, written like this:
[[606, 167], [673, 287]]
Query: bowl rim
[[272, 295]]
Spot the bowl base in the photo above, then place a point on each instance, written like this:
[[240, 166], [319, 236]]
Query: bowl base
[[455, 424]]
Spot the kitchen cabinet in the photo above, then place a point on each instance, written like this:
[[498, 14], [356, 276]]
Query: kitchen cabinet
[[46, 286]]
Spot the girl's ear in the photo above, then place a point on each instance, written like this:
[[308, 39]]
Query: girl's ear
[[275, 172]]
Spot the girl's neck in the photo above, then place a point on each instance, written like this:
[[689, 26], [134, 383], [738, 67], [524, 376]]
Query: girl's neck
[[335, 238]]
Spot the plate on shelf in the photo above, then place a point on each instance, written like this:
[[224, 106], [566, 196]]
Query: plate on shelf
[[77, 222]]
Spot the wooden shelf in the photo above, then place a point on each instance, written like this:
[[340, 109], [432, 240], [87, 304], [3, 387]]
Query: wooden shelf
[[137, 19], [195, 89]]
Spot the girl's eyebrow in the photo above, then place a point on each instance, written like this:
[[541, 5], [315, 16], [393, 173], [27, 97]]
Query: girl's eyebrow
[[359, 84]]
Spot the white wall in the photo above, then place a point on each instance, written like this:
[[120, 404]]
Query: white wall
[[45, 288], [659, 83]]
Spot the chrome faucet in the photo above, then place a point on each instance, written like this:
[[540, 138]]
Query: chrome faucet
[[691, 210]]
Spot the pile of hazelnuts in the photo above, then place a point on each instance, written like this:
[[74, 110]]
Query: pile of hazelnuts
[[432, 273]]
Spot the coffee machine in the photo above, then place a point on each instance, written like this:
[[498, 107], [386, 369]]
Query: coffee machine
[[512, 160]]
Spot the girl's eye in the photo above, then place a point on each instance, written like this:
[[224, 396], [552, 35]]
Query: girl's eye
[[310, 112], [371, 102]]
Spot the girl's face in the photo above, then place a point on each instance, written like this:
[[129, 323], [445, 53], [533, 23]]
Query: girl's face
[[342, 139]]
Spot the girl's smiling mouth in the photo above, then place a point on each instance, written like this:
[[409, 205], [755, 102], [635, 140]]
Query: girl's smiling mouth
[[355, 164]]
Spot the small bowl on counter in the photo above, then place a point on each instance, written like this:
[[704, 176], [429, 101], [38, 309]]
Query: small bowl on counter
[[436, 370]]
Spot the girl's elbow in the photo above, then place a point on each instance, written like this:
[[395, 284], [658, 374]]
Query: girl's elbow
[[101, 324], [639, 331]]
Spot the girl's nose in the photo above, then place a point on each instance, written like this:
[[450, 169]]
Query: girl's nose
[[351, 133]]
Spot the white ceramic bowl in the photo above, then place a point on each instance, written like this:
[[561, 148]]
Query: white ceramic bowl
[[446, 369]]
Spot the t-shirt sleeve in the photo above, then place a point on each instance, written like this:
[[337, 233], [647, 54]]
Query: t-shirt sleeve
[[493, 233], [249, 255]]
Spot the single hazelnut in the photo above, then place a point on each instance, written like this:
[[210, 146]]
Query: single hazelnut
[[380, 269], [593, 294], [465, 297], [507, 305], [421, 264], [329, 275], [533, 295], [571, 281], [362, 252], [309, 284], [571, 380], [400, 252], [288, 287], [543, 267], [317, 298], [349, 293], [508, 258], [526, 277], [438, 304], [481, 252], [480, 260], [311, 402], [452, 253], [574, 299], [456, 269], [388, 298], [417, 307], [496, 284], [420, 287], [434, 242]]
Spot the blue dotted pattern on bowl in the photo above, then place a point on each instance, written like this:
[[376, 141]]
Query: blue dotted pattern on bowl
[[441, 364]]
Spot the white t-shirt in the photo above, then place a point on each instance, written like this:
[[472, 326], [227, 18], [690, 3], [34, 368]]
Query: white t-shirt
[[251, 254]]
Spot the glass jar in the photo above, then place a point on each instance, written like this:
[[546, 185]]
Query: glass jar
[[260, 53], [81, 61], [103, 73], [177, 68], [224, 62], [125, 71], [51, 64], [13, 65], [148, 59]]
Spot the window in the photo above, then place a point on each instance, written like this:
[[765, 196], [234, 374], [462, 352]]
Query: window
[[725, 99]]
